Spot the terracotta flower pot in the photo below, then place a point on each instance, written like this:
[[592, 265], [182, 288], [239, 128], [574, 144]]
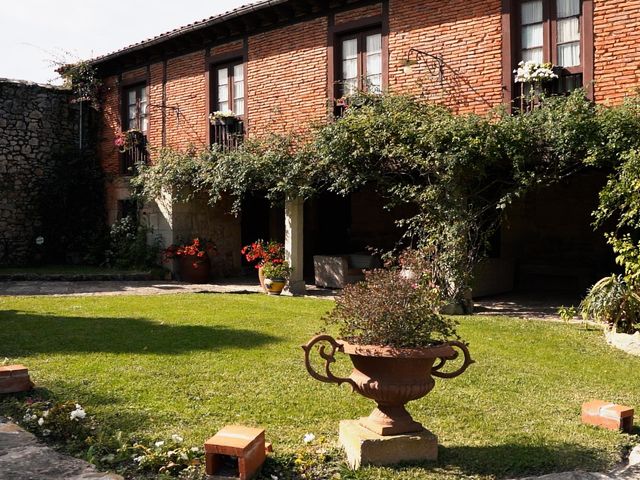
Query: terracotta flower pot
[[261, 278], [194, 269], [389, 376]]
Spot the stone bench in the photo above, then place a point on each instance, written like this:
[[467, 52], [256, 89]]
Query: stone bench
[[336, 271]]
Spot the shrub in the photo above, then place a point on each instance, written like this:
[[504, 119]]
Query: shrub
[[395, 307], [614, 301], [129, 246]]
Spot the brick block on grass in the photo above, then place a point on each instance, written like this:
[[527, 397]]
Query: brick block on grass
[[241, 449], [14, 379], [608, 415]]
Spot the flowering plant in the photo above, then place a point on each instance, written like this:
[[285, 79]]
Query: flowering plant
[[273, 270], [534, 72], [128, 139], [221, 115], [395, 307], [264, 252], [63, 421], [169, 456], [199, 248]]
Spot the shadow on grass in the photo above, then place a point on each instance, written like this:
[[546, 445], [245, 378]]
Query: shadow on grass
[[23, 334], [516, 460]]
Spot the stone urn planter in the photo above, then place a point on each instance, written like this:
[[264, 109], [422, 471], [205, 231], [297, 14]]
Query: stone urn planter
[[389, 376]]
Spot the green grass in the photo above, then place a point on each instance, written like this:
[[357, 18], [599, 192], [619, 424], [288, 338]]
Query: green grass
[[189, 364]]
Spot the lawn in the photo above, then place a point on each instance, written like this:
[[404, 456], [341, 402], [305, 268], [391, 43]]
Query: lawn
[[189, 364]]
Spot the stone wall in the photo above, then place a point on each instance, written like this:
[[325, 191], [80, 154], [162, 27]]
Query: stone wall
[[36, 123]]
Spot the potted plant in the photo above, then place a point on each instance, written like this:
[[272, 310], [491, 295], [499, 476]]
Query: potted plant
[[128, 140], [276, 273], [531, 75], [391, 327], [223, 117], [194, 265], [263, 252]]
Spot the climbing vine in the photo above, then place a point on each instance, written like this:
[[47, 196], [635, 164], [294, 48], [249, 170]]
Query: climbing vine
[[456, 172]]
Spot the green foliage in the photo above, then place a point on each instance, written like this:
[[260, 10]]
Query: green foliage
[[82, 78], [567, 313], [129, 245], [276, 270], [270, 165], [395, 307], [456, 173], [169, 456], [614, 301], [72, 210]]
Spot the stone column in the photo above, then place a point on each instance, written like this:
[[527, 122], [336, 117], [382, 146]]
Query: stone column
[[293, 243]]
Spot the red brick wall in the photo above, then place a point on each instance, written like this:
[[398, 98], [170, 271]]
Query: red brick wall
[[287, 78], [467, 33], [110, 127], [357, 13], [186, 90], [616, 26], [227, 48], [154, 130]]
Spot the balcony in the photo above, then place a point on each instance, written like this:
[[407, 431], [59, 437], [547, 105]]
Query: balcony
[[227, 133], [135, 153]]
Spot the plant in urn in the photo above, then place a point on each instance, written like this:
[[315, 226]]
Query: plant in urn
[[390, 327]]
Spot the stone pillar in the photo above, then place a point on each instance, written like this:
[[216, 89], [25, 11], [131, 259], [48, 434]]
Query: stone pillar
[[293, 243]]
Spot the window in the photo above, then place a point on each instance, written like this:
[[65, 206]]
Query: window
[[359, 64], [136, 108], [230, 88], [551, 31], [135, 117], [229, 95]]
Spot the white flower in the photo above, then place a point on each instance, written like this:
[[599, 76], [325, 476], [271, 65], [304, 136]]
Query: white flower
[[274, 477], [177, 438], [41, 421], [528, 72], [159, 444], [45, 414], [46, 432], [184, 456], [308, 438], [195, 449], [138, 459], [78, 413]]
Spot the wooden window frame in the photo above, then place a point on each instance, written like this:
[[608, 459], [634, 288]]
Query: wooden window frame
[[230, 66], [361, 40], [128, 158], [137, 87], [511, 51], [334, 48]]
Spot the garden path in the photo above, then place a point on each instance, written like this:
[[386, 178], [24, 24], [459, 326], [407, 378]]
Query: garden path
[[146, 287], [23, 457]]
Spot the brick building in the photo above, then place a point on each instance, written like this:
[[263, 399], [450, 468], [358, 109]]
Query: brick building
[[280, 64]]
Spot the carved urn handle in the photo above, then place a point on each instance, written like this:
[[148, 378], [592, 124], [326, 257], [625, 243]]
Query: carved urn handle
[[435, 370], [329, 358]]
